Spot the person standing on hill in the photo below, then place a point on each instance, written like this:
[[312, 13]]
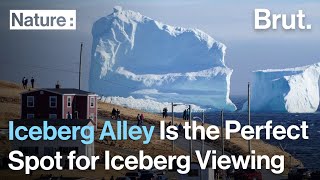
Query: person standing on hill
[[23, 82], [185, 114], [113, 113], [118, 114], [32, 82], [166, 112], [163, 113], [138, 119], [141, 118], [26, 83]]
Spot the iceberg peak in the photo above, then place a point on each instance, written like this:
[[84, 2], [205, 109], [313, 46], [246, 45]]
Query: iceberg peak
[[137, 52], [117, 9]]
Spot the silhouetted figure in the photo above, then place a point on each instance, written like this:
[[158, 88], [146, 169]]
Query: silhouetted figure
[[180, 127], [112, 178], [23, 82], [69, 115], [113, 113], [118, 114], [26, 83], [185, 114], [32, 82], [165, 113], [138, 119]]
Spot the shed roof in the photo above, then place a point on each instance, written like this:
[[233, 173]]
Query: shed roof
[[68, 91], [62, 91]]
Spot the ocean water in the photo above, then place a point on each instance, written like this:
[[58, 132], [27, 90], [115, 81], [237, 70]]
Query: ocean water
[[308, 151]]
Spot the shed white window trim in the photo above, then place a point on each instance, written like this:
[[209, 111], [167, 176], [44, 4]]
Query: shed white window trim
[[69, 101], [53, 101], [30, 101], [92, 102]]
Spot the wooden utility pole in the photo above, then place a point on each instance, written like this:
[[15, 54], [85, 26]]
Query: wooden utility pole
[[249, 117], [172, 119], [222, 133], [202, 147], [222, 142], [190, 121], [80, 66]]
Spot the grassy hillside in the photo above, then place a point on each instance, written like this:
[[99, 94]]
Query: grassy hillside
[[10, 109], [9, 102]]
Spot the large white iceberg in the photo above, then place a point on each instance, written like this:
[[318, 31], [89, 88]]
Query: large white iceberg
[[135, 56], [293, 90]]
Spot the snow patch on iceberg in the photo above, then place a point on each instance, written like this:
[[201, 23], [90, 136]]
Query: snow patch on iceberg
[[293, 90], [132, 52], [150, 92]]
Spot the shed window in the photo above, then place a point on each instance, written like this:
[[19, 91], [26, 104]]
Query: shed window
[[69, 101], [53, 101], [30, 101], [92, 102]]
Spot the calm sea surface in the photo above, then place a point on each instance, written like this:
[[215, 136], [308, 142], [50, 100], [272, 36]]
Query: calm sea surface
[[308, 151]]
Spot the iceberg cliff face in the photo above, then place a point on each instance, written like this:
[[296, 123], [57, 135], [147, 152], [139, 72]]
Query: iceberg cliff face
[[137, 57], [293, 90]]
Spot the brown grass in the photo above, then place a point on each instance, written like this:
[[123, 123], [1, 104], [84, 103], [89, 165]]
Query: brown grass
[[10, 109], [9, 102], [9, 89]]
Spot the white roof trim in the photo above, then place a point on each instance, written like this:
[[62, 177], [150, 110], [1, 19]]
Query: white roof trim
[[26, 92]]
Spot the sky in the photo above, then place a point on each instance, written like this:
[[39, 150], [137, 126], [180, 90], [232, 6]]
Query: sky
[[51, 56]]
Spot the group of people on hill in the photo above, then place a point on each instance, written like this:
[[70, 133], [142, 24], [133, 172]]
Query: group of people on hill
[[115, 114], [185, 114], [25, 82], [164, 113], [140, 119]]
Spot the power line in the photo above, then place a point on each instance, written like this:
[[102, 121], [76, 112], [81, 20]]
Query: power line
[[67, 71], [41, 67]]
